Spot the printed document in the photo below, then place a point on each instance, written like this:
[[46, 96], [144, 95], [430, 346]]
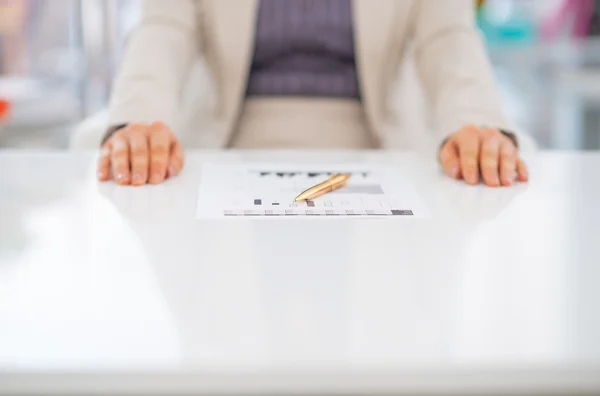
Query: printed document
[[268, 191]]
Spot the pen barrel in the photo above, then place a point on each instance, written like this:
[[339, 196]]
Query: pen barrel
[[335, 186], [339, 178], [333, 183]]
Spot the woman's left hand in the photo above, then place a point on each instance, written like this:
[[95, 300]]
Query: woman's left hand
[[473, 152]]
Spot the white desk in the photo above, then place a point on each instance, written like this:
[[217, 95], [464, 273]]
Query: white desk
[[112, 290]]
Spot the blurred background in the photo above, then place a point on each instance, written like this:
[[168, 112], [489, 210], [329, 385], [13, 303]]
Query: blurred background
[[58, 57]]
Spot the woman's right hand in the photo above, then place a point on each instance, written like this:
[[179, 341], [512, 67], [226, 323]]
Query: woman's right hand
[[140, 154]]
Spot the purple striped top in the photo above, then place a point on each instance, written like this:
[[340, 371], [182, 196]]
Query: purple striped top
[[304, 48]]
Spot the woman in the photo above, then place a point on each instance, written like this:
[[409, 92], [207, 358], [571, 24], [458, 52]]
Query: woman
[[306, 74]]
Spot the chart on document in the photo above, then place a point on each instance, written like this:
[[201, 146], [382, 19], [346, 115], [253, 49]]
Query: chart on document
[[252, 190]]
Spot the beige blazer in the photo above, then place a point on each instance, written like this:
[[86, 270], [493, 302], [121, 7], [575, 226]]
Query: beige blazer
[[448, 53]]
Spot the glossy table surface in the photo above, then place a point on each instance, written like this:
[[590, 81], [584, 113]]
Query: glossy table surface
[[119, 290]]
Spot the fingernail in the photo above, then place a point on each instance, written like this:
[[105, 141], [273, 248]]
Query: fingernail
[[100, 175], [172, 170], [137, 178], [496, 180], [454, 171], [120, 176], [156, 177]]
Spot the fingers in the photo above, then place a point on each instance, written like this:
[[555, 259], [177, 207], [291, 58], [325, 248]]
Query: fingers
[[489, 162], [522, 171], [138, 142], [508, 163], [486, 150], [104, 163], [120, 159], [141, 154], [160, 143], [468, 147], [176, 160], [450, 160]]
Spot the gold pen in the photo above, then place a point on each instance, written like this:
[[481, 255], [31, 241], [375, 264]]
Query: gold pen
[[336, 181]]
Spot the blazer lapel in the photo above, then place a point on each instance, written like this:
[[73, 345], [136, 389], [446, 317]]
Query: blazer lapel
[[379, 34], [234, 30]]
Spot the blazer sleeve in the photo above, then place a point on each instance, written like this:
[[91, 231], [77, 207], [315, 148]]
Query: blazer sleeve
[[454, 68], [156, 65]]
